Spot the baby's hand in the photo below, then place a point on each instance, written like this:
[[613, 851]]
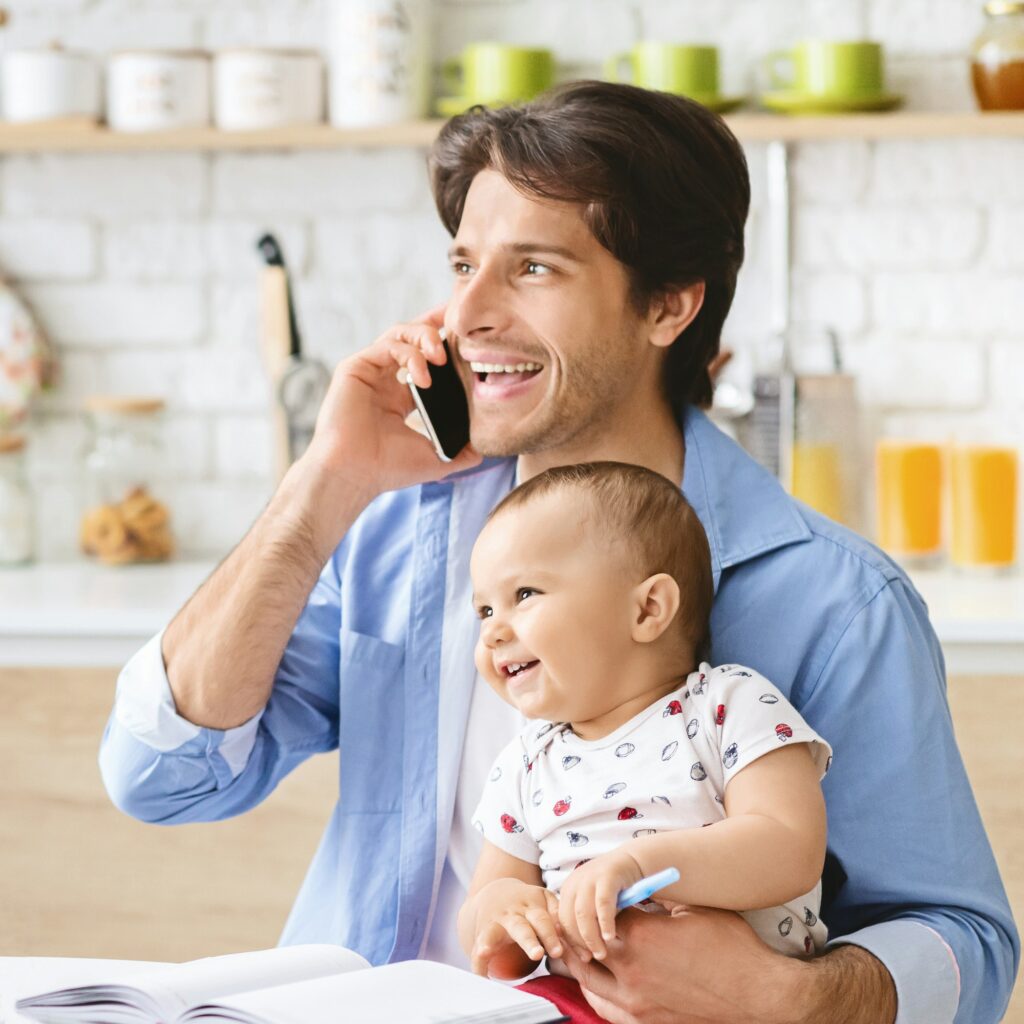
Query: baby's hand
[[513, 919], [587, 900]]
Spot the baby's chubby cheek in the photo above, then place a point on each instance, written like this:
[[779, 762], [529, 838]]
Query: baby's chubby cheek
[[484, 664]]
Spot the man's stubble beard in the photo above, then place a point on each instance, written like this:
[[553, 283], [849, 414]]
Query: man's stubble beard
[[586, 399]]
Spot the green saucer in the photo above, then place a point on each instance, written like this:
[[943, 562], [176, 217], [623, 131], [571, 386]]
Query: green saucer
[[449, 106], [787, 101], [719, 104]]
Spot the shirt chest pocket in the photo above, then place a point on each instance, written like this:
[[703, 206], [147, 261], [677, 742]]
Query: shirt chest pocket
[[372, 720]]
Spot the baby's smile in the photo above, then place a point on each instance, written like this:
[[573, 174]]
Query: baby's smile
[[523, 681], [515, 668]]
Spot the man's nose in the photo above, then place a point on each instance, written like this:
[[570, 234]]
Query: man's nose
[[478, 306]]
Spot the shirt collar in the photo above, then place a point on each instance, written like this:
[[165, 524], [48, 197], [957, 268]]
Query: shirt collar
[[743, 508]]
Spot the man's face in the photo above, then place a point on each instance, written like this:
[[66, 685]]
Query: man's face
[[552, 599], [534, 289]]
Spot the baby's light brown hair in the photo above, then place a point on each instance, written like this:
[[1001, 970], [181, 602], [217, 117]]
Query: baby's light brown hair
[[659, 531]]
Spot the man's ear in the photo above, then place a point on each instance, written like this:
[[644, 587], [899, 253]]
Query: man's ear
[[673, 311], [656, 604]]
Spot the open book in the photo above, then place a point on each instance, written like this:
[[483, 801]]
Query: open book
[[315, 984]]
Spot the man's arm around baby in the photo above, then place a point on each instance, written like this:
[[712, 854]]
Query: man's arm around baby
[[728, 974], [769, 848]]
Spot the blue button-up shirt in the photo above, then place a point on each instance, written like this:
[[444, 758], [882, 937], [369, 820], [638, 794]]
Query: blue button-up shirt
[[826, 616]]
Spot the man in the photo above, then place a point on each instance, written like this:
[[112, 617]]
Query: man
[[597, 237]]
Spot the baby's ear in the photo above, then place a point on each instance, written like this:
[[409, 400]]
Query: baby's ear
[[656, 604]]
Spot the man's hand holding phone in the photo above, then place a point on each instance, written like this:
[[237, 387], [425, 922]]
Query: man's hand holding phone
[[361, 434]]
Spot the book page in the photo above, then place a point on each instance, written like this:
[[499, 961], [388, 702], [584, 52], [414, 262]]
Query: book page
[[22, 976], [180, 986], [166, 991], [413, 992]]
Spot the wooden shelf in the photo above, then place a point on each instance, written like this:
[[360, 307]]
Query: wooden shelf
[[754, 127], [82, 136]]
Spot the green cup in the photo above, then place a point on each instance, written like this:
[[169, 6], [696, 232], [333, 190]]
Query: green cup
[[684, 69], [497, 73], [823, 68]]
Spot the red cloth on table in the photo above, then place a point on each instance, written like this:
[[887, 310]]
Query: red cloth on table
[[566, 995]]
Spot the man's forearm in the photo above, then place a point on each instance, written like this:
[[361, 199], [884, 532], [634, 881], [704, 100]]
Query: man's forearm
[[222, 649], [846, 985]]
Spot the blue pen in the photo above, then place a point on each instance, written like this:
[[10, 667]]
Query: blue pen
[[645, 888]]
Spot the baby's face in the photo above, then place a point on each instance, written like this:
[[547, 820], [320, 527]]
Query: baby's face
[[553, 596]]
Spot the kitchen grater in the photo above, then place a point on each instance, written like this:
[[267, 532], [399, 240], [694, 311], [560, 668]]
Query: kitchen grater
[[768, 430]]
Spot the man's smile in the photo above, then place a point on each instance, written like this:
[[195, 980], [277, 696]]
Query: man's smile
[[496, 375], [503, 384]]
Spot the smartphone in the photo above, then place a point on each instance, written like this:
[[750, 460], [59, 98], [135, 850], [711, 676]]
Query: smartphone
[[443, 408]]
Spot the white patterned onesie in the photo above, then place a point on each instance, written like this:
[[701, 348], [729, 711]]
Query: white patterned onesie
[[556, 800]]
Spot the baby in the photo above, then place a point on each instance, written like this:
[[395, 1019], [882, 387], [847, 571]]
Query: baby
[[593, 583]]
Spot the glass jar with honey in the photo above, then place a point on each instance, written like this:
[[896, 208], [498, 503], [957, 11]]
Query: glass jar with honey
[[997, 57], [125, 519]]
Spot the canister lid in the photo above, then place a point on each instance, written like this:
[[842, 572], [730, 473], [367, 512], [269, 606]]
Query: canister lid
[[265, 51], [11, 443], [1004, 7], [178, 54], [124, 403], [53, 50]]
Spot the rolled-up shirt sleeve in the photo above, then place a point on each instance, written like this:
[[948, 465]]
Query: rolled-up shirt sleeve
[[922, 892], [159, 767], [144, 706]]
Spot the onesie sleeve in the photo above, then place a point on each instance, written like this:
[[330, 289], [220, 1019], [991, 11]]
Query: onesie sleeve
[[744, 717], [500, 815]]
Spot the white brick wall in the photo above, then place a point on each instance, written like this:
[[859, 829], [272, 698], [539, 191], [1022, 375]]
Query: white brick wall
[[115, 313], [107, 186], [143, 267], [333, 182], [893, 236], [48, 250]]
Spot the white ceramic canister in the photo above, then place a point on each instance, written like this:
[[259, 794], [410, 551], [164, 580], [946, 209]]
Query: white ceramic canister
[[158, 90], [40, 85], [255, 89], [379, 53]]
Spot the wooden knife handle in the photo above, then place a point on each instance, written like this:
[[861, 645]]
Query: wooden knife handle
[[276, 344]]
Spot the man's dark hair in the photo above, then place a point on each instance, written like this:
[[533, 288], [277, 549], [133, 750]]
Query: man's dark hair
[[661, 180]]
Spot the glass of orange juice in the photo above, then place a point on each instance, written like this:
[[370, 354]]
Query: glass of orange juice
[[984, 505], [817, 477], [908, 498]]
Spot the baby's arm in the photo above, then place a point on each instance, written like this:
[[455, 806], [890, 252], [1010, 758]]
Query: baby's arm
[[509, 918], [769, 849]]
